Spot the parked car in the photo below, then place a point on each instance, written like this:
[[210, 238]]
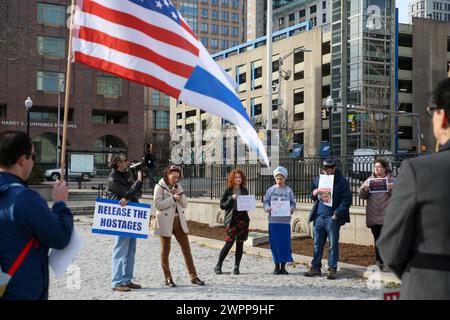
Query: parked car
[[54, 174]]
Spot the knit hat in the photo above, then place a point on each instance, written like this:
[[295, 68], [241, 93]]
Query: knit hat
[[328, 163], [281, 170]]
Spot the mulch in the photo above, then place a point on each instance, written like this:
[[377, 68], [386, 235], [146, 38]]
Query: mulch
[[348, 253]]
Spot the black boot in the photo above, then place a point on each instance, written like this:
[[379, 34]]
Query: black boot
[[218, 268], [277, 269], [236, 269], [283, 269]]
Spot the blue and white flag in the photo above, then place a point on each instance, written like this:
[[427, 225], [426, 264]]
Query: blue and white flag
[[149, 42]]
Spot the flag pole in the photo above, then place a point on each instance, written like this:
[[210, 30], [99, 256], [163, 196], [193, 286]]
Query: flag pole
[[67, 91]]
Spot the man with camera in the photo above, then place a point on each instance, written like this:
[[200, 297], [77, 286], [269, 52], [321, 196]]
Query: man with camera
[[122, 187]]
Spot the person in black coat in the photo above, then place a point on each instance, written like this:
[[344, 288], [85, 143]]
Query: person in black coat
[[236, 222], [415, 239]]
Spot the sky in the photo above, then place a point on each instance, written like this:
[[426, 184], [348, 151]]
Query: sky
[[403, 10]]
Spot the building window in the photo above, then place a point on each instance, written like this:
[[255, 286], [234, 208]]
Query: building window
[[51, 47], [214, 43], [256, 106], [109, 86], [234, 31], [405, 132], [225, 30], [324, 18], [225, 3], [235, 4], [299, 96], [215, 2], [2, 110], [204, 27], [256, 74], [292, 17], [299, 137], [51, 14], [313, 9], [299, 75], [302, 13], [155, 98], [314, 21], [162, 119], [281, 21], [299, 116], [205, 42], [50, 81], [324, 4], [235, 17], [166, 100], [205, 13], [214, 28], [299, 57], [214, 14], [204, 1], [224, 16], [224, 44]]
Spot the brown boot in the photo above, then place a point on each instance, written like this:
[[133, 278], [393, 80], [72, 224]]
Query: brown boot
[[121, 289]]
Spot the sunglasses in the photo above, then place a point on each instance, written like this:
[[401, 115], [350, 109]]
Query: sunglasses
[[431, 109], [175, 168]]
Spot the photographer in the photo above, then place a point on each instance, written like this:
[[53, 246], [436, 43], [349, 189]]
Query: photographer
[[150, 164], [122, 187]]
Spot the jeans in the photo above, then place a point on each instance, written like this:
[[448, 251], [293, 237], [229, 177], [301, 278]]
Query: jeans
[[325, 227], [123, 261]]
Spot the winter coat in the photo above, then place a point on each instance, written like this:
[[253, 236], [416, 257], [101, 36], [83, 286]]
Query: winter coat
[[121, 185], [166, 207], [226, 203]]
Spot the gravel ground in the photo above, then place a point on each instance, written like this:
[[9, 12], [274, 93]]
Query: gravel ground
[[256, 280]]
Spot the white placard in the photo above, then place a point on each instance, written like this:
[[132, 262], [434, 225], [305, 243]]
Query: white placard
[[280, 208], [130, 221], [60, 260], [326, 189], [246, 203]]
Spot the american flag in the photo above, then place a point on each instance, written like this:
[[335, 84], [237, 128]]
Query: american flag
[[149, 42]]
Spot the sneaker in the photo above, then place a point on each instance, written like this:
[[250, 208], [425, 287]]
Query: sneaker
[[132, 285], [312, 272], [197, 281], [121, 289], [331, 274]]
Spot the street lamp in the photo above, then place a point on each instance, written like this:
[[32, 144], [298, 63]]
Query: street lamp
[[330, 104], [28, 105]]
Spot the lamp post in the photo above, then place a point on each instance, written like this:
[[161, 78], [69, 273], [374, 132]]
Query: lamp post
[[330, 104], [28, 105]]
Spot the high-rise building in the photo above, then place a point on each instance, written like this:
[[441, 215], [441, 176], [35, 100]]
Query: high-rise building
[[431, 9], [362, 74], [105, 112]]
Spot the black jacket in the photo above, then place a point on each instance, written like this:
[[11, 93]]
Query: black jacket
[[226, 203], [121, 185]]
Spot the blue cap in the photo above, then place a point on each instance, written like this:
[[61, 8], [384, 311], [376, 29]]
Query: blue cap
[[280, 170], [329, 163]]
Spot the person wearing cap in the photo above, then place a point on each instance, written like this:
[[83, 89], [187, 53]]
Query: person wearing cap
[[415, 239], [328, 220], [280, 226]]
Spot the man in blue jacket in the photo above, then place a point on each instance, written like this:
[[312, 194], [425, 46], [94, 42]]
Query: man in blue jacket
[[328, 220], [24, 215]]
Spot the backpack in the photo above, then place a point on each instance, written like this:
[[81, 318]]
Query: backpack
[[6, 277]]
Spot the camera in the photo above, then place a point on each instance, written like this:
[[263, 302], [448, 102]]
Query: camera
[[138, 166]]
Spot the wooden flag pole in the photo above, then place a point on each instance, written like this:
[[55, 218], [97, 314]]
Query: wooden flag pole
[[67, 92]]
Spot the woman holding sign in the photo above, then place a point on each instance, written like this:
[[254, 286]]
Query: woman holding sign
[[170, 202], [236, 222], [279, 203], [377, 190]]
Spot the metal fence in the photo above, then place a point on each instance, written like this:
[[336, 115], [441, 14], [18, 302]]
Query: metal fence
[[210, 180]]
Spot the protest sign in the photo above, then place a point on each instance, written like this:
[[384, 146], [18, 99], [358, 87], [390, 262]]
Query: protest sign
[[60, 260], [326, 189], [378, 185], [280, 208], [246, 203], [129, 221]]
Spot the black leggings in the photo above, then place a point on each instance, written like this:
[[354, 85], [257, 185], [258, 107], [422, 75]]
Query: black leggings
[[376, 231], [226, 248]]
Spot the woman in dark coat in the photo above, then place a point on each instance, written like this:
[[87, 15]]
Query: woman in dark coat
[[236, 222]]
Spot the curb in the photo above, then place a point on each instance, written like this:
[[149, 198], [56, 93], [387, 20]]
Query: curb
[[350, 269]]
